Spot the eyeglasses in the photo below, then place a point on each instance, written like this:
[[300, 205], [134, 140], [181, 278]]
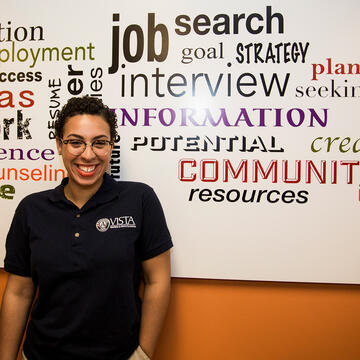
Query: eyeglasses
[[76, 147]]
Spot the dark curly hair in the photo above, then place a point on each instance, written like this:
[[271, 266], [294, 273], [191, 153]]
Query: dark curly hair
[[85, 105]]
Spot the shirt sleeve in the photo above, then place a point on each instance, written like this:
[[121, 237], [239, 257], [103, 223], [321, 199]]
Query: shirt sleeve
[[17, 258], [155, 237]]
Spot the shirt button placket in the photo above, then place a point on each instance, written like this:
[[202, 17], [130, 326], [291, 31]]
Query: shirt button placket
[[77, 234]]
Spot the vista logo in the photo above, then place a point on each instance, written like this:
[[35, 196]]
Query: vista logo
[[115, 223]]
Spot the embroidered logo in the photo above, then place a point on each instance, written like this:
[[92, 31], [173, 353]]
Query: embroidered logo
[[103, 224], [115, 223]]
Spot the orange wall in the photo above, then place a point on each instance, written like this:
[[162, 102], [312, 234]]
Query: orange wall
[[244, 320]]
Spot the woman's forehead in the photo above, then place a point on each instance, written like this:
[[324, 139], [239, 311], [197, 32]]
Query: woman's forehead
[[86, 125]]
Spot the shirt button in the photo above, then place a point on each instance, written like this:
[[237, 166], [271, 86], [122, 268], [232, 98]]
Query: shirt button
[[77, 215], [77, 235]]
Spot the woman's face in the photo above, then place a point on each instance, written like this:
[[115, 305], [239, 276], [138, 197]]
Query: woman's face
[[88, 168]]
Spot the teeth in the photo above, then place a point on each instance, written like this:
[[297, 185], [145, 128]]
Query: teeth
[[87, 168]]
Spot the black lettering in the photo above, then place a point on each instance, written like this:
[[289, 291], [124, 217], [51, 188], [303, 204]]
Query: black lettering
[[225, 25], [269, 196], [187, 27], [251, 199], [299, 91], [205, 195], [192, 192], [220, 195], [270, 17], [152, 30], [139, 43], [115, 46], [249, 28], [201, 21], [261, 192], [237, 197], [302, 197], [267, 89], [239, 84], [288, 196]]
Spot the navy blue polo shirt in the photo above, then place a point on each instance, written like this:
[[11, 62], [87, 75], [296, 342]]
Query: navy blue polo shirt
[[87, 265]]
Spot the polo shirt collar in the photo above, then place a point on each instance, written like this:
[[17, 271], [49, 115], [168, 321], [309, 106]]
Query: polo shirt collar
[[105, 193]]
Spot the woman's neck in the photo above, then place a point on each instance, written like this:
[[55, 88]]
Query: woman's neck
[[80, 195]]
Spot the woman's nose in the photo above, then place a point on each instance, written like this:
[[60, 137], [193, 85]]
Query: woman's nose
[[88, 153]]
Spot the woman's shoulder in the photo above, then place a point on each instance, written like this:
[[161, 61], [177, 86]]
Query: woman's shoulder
[[124, 185], [134, 185], [135, 189], [36, 198]]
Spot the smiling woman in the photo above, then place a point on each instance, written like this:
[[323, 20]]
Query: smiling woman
[[85, 246], [86, 165]]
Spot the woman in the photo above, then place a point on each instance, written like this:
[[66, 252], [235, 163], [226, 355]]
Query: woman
[[84, 245]]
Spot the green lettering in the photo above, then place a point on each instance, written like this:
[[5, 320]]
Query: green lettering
[[66, 53], [312, 144], [50, 50], [343, 143], [34, 57], [6, 191]]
